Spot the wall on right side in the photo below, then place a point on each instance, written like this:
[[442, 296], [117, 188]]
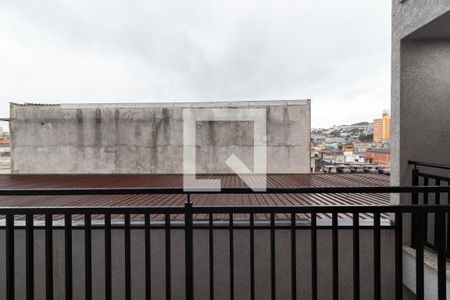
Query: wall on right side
[[425, 109], [420, 102]]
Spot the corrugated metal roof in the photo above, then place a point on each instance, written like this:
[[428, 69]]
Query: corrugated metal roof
[[114, 181]]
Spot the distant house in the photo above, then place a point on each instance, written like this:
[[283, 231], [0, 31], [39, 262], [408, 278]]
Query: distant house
[[330, 140], [378, 156], [354, 158], [362, 147], [332, 156], [316, 138], [5, 147]]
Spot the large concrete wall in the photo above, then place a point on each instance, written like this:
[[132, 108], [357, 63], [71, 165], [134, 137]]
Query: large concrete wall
[[201, 260], [420, 101], [148, 138]]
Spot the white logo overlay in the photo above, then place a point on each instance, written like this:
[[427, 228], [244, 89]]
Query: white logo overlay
[[256, 179]]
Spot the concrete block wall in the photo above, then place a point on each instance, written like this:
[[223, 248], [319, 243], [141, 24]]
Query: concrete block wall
[[148, 138]]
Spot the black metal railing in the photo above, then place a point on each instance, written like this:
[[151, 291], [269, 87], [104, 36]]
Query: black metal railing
[[272, 218], [426, 178]]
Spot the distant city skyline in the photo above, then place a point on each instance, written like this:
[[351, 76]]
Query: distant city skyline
[[385, 111], [5, 125]]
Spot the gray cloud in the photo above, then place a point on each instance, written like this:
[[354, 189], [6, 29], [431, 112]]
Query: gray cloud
[[335, 52]]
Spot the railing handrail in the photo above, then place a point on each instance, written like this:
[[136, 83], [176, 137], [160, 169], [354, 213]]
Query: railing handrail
[[433, 176], [417, 211], [240, 190], [427, 164], [74, 210]]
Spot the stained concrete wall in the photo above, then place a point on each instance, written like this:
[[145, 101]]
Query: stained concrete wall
[[201, 259], [148, 138]]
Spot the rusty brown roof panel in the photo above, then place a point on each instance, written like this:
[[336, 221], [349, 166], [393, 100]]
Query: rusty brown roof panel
[[274, 180], [115, 181]]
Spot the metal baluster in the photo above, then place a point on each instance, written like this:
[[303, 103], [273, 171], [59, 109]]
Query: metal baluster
[[49, 257], [335, 250], [398, 256], [293, 258], [440, 243], [231, 257], [88, 256], [189, 267], [29, 257], [9, 241], [108, 268], [148, 273], [376, 256], [272, 256], [127, 257], [168, 258], [68, 256], [252, 256], [211, 257], [419, 256], [356, 288], [314, 255]]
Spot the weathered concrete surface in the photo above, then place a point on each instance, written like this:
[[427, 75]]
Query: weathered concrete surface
[[148, 138], [201, 267], [430, 273]]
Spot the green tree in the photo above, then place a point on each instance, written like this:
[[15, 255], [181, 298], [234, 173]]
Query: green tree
[[335, 133], [367, 138]]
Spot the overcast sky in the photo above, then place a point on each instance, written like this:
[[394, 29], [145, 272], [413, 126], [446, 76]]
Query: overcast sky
[[335, 52]]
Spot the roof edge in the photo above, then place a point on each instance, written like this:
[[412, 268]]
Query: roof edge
[[33, 104], [197, 104]]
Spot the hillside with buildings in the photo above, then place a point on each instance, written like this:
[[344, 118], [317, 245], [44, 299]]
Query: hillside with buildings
[[356, 148]]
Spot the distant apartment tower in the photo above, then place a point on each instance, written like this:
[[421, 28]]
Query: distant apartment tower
[[382, 129]]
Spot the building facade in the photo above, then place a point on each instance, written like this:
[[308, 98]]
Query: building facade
[[332, 156], [148, 138], [378, 156], [382, 129]]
